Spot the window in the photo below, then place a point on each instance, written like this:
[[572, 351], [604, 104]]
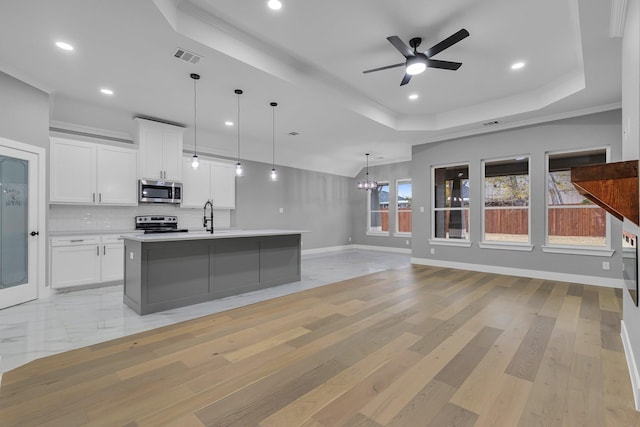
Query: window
[[573, 220], [451, 202], [403, 206], [506, 201], [379, 208]]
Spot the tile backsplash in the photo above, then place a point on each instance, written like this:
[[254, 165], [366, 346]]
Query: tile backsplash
[[103, 218]]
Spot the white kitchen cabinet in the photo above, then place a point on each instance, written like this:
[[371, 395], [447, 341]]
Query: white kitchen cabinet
[[72, 171], [160, 150], [86, 259], [213, 180], [87, 173]]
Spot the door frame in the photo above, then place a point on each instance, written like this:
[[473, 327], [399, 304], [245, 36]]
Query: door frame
[[43, 288]]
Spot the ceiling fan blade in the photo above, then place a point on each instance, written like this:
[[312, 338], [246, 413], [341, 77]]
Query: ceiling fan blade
[[445, 65], [399, 44], [384, 68], [405, 79], [446, 43]]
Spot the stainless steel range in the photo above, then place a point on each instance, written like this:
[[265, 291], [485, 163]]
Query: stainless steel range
[[158, 224]]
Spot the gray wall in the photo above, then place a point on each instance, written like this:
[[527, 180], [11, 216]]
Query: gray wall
[[318, 202], [631, 141], [24, 112], [594, 130], [382, 173]]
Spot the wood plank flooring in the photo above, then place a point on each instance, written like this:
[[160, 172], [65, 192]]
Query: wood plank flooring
[[417, 346]]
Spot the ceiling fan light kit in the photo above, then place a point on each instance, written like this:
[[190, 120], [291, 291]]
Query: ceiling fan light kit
[[416, 62]]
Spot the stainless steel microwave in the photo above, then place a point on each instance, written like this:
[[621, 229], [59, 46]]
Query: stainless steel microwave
[[151, 191]]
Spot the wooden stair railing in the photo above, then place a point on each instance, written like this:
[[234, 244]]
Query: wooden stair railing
[[612, 186]]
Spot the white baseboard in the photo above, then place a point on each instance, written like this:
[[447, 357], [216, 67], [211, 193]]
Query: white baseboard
[[522, 272], [326, 249], [364, 247], [631, 363], [383, 249]]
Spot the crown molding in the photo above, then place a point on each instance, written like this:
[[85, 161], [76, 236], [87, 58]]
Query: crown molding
[[618, 15]]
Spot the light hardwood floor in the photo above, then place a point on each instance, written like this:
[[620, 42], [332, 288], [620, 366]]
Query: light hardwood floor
[[417, 346]]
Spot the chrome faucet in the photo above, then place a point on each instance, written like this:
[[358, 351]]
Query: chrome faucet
[[206, 220]]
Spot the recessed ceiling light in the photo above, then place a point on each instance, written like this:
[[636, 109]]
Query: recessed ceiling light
[[228, 123], [106, 91], [64, 46], [517, 65], [274, 4], [413, 96]]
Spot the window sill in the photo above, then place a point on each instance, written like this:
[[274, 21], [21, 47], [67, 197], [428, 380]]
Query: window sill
[[377, 233], [401, 234], [449, 242], [525, 247], [603, 252]]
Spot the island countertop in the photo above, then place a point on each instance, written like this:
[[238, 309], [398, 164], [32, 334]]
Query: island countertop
[[202, 235]]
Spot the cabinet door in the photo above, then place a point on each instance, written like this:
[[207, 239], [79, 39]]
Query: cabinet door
[[117, 176], [151, 152], [72, 172], [223, 185], [172, 155], [112, 261], [74, 265], [195, 184]]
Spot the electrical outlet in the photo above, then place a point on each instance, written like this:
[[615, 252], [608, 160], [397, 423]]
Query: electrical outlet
[[406, 242], [433, 251], [130, 255], [349, 239], [605, 265], [422, 209], [281, 210]]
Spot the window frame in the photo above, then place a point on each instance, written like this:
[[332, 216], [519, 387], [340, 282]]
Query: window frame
[[397, 211], [369, 211], [442, 241], [506, 245], [605, 251]]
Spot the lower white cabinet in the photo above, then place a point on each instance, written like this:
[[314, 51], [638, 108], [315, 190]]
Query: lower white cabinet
[[86, 259]]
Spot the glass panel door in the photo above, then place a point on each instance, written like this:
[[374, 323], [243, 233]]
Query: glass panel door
[[17, 220]]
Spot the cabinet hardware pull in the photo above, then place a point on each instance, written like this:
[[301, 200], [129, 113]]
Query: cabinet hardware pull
[[104, 250], [100, 197], [98, 250], [94, 197], [76, 240]]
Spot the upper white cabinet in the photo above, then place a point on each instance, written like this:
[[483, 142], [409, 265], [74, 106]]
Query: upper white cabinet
[[160, 150], [87, 173], [213, 180]]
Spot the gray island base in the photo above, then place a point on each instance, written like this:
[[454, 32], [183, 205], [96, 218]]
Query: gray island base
[[179, 269]]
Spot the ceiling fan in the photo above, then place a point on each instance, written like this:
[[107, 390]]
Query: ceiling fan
[[417, 62]]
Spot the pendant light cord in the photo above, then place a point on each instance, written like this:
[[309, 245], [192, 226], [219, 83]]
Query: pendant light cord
[[238, 92], [195, 119], [195, 77], [273, 136]]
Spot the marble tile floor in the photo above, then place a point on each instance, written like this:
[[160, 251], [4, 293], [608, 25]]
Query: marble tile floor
[[79, 318]]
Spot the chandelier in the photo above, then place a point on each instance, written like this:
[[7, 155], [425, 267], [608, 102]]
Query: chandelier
[[367, 184]]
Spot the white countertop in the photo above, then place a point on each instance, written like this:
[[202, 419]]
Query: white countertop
[[202, 235]]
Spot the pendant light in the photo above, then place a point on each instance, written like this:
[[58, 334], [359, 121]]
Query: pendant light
[[239, 168], [274, 174], [194, 160], [366, 184]]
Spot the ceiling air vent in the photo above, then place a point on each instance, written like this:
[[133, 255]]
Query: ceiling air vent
[[294, 133], [187, 56], [491, 123]]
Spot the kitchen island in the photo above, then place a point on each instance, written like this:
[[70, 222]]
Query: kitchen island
[[169, 270]]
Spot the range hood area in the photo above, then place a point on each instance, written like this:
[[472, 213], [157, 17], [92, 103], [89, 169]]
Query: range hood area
[[612, 186]]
